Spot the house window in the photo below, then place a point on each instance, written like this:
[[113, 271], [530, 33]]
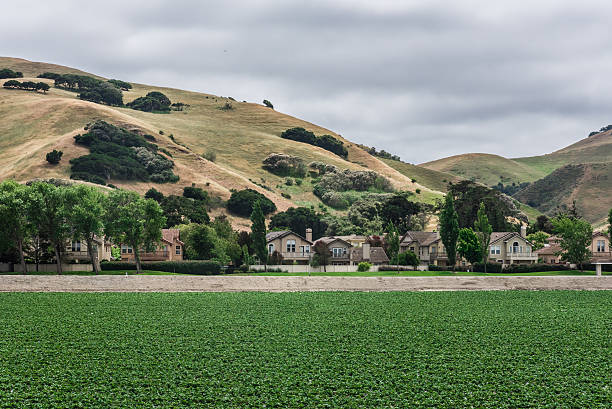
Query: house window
[[178, 250], [125, 249], [412, 249], [495, 249], [290, 246], [270, 248], [76, 246], [339, 252], [304, 249], [601, 246]]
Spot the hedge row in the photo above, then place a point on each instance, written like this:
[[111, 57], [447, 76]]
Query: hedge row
[[512, 268], [183, 267]]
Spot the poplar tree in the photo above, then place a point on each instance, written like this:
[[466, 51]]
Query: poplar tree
[[449, 228], [483, 230], [258, 233]]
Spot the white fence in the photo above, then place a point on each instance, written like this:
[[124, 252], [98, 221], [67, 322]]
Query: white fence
[[47, 268], [293, 268]]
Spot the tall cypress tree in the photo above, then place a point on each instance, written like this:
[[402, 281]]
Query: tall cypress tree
[[610, 222], [393, 243], [483, 231], [258, 233], [449, 228]]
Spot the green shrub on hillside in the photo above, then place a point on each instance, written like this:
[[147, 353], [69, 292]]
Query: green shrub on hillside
[[182, 267], [8, 73], [326, 142], [241, 202], [122, 85], [285, 165], [116, 153], [153, 102], [54, 156]]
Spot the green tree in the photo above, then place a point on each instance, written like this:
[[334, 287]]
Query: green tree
[[576, 235], [321, 256], [408, 258], [610, 224], [48, 212], [449, 228], [54, 156], [483, 230], [258, 234], [242, 202], [468, 245], [85, 208], [15, 226], [393, 243], [133, 221], [538, 239]]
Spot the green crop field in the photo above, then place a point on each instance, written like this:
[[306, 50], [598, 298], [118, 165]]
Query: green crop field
[[511, 349]]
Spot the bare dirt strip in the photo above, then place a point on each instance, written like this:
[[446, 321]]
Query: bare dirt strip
[[113, 283]]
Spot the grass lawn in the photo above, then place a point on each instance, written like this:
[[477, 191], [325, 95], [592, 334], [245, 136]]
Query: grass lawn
[[508, 349], [90, 273], [425, 273]]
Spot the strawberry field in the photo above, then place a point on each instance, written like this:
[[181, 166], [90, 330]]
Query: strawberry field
[[278, 350]]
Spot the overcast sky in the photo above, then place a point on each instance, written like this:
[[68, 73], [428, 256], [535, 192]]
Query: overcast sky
[[422, 79]]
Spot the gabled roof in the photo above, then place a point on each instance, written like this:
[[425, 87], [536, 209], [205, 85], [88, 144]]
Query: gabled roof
[[273, 235], [171, 235], [551, 250], [424, 238], [600, 234], [330, 239], [377, 255], [505, 236]]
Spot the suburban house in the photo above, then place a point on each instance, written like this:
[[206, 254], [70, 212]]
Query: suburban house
[[599, 248], [504, 247], [426, 245], [292, 246], [373, 255], [169, 249], [76, 250], [511, 248], [340, 250]]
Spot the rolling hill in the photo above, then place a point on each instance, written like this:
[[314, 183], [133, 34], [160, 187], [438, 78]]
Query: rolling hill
[[32, 124], [581, 172]]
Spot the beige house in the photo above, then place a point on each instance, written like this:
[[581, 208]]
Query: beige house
[[354, 239], [511, 248], [76, 251], [340, 250], [293, 247], [600, 247], [169, 249], [426, 245]]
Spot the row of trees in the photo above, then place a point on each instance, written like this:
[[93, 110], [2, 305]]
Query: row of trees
[[27, 85], [8, 73], [44, 214]]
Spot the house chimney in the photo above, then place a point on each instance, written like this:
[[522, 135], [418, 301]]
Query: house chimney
[[523, 231], [366, 251], [309, 234]]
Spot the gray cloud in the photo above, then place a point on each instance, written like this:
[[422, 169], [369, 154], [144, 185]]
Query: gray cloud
[[423, 79]]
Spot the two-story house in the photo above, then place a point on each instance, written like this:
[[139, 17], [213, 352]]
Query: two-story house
[[511, 248], [426, 245], [293, 247], [170, 248], [339, 250]]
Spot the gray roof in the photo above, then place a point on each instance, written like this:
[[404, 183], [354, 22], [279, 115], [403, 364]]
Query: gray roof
[[330, 239], [377, 255], [424, 238], [273, 235]]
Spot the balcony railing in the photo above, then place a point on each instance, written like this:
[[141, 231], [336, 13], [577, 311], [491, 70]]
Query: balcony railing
[[296, 255]]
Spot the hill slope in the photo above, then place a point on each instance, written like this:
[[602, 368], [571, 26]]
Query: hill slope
[[31, 124], [589, 185], [485, 168]]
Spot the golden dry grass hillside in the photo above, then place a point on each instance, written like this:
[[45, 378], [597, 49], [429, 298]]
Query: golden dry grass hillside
[[32, 124]]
